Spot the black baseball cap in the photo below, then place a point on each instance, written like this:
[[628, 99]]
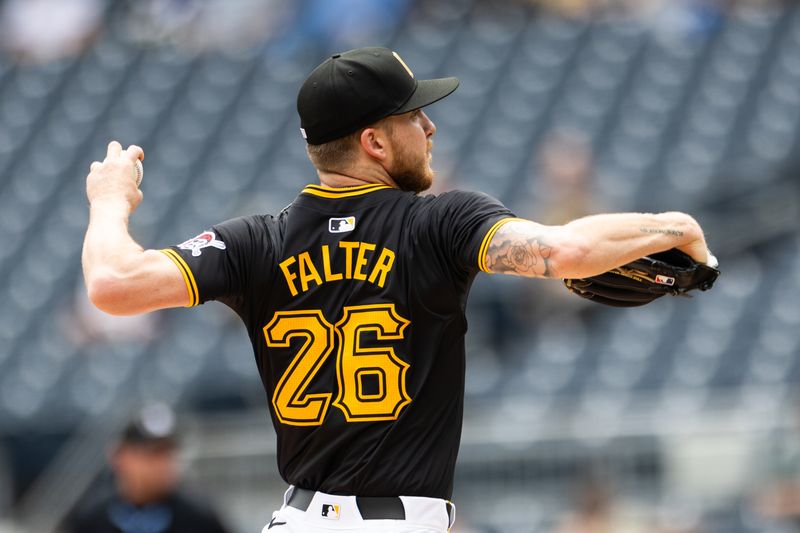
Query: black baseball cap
[[153, 426], [354, 89]]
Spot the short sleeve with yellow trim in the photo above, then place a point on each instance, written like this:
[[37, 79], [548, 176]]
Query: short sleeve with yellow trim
[[218, 263], [463, 223]]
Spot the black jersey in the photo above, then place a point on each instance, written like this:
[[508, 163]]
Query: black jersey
[[174, 514], [354, 301]]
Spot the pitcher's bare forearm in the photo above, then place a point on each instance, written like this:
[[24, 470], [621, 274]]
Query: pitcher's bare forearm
[[122, 277], [591, 245], [108, 243], [619, 238]]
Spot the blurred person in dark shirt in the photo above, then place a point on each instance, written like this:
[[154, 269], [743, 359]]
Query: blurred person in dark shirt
[[595, 511], [146, 472], [777, 474]]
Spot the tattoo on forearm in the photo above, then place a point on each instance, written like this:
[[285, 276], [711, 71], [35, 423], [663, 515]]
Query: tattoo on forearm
[[663, 231], [511, 252]]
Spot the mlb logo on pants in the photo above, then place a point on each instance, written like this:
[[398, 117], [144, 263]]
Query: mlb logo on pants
[[330, 511]]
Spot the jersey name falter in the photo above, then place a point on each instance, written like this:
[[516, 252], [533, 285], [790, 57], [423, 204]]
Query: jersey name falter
[[361, 262]]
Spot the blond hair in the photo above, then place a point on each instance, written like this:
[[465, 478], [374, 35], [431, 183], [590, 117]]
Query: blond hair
[[337, 155]]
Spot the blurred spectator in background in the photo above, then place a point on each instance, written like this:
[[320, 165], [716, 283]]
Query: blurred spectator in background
[[682, 516], [595, 512], [160, 21], [577, 9], [560, 189], [146, 499], [778, 497], [202, 25], [325, 26], [39, 31], [678, 18], [298, 26]]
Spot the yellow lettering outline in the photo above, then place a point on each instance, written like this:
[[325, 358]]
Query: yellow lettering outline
[[361, 261], [308, 272], [348, 247], [290, 277], [382, 267], [378, 396], [393, 330], [326, 265], [288, 392]]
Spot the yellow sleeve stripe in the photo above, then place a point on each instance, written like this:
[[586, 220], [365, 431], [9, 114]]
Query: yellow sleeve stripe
[[487, 240], [186, 272]]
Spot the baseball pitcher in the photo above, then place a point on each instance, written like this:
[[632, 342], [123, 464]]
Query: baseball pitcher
[[354, 295]]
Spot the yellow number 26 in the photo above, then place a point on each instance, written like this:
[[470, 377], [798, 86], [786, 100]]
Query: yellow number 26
[[356, 365]]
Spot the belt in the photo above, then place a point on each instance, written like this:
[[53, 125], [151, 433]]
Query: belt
[[370, 507]]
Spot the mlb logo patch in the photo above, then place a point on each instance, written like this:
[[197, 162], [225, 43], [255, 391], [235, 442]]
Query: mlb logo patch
[[330, 511], [341, 225], [665, 280]]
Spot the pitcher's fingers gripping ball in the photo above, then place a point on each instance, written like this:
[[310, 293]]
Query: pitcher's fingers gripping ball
[[132, 151], [118, 176]]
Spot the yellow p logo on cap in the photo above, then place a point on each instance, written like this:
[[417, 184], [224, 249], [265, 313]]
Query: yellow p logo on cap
[[397, 56]]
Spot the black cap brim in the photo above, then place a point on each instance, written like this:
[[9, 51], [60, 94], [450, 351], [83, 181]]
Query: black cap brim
[[428, 92]]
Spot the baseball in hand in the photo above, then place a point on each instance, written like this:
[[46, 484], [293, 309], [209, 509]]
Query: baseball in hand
[[712, 261], [139, 171]]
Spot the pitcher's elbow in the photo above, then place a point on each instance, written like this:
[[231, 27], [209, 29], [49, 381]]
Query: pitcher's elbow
[[105, 293]]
